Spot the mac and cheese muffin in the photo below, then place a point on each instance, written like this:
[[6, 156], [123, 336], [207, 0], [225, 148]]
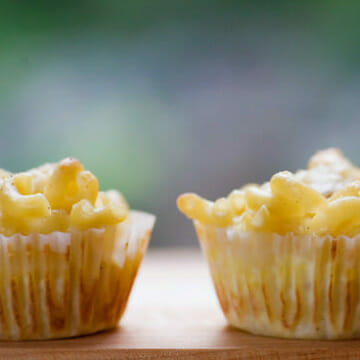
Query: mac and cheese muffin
[[285, 255], [69, 252]]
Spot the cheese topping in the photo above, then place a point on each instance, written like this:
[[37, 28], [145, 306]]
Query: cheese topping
[[56, 197], [324, 199]]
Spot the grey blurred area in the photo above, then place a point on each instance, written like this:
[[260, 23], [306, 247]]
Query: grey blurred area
[[178, 97]]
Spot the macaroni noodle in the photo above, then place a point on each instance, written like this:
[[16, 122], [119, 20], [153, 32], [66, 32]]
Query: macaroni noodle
[[324, 199], [55, 197]]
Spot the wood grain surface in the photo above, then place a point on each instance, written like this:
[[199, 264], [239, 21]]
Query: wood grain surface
[[173, 314]]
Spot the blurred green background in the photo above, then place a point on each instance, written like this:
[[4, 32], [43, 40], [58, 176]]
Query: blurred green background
[[158, 98]]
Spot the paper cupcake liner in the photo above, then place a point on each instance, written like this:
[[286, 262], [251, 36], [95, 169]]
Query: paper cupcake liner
[[286, 286], [68, 284]]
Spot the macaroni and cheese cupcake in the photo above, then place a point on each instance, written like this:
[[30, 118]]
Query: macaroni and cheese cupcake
[[285, 255], [69, 254]]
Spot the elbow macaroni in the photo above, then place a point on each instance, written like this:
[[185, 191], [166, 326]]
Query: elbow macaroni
[[56, 197], [324, 199]]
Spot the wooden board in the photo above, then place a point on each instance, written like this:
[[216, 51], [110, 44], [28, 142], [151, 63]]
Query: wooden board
[[173, 314]]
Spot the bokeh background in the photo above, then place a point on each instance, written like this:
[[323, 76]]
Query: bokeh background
[[162, 97]]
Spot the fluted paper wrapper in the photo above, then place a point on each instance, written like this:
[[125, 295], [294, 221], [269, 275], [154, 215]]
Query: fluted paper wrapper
[[68, 284], [287, 286]]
